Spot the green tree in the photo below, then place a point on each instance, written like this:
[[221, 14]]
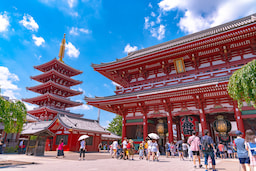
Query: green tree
[[115, 126], [242, 85], [12, 115]]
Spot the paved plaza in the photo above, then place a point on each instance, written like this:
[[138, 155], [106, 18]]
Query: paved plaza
[[102, 161]]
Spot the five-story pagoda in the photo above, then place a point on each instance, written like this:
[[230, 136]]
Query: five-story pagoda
[[55, 88]]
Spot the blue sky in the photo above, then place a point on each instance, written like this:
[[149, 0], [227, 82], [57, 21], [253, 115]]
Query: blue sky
[[97, 31]]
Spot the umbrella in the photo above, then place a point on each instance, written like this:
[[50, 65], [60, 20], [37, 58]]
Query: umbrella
[[153, 136], [83, 137]]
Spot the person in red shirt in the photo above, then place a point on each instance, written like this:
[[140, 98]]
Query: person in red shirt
[[221, 150]]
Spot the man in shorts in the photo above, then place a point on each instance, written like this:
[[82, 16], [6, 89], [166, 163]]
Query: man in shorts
[[194, 142], [242, 153]]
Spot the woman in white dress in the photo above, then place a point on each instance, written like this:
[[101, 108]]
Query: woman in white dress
[[154, 149]]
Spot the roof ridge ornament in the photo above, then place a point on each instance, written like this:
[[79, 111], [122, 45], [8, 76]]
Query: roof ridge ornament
[[62, 48]]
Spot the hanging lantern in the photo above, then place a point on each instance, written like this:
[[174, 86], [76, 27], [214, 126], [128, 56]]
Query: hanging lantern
[[160, 127], [188, 125], [222, 126]]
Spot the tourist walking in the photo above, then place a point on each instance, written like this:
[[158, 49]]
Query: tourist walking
[[185, 149], [124, 143], [141, 150], [208, 150], [146, 148], [99, 146], [242, 153], [180, 149], [221, 150], [251, 147], [154, 150], [60, 148], [230, 151], [194, 142], [114, 148], [20, 151], [130, 148], [173, 149], [149, 148], [167, 149], [82, 149]]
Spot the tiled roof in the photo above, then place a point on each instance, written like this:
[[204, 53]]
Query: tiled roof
[[31, 118], [111, 136], [35, 127], [166, 88], [186, 39], [82, 124]]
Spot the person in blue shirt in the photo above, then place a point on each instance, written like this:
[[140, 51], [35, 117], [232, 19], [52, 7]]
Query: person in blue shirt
[[209, 151], [242, 153]]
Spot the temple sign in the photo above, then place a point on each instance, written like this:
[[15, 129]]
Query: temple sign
[[62, 49]]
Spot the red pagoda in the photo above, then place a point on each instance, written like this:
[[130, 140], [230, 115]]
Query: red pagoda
[[55, 88], [55, 121], [182, 84]]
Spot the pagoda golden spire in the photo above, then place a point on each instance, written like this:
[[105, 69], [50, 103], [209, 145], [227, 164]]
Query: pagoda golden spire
[[62, 48]]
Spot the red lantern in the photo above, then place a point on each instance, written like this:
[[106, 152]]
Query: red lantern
[[188, 125]]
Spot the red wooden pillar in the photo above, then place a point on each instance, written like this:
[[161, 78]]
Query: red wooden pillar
[[239, 120], [178, 130], [145, 126], [70, 137], [203, 120], [124, 127], [169, 119]]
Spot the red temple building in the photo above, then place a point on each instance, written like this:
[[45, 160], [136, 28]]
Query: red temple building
[[55, 121], [181, 83]]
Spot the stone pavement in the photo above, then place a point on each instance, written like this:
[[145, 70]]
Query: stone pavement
[[102, 162]]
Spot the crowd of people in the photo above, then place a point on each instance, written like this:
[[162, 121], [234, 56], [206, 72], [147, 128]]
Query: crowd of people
[[194, 149]]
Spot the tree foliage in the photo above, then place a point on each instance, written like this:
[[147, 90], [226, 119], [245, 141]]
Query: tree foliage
[[242, 85], [115, 126], [12, 115]]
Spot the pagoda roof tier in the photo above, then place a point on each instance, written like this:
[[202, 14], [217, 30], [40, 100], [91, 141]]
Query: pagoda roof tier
[[56, 77], [190, 41], [54, 88], [53, 110], [47, 100], [185, 92], [58, 65]]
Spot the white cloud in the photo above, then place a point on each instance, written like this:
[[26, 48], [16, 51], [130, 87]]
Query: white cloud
[[106, 124], [29, 22], [146, 24], [38, 40], [72, 51], [72, 3], [82, 107], [153, 14], [159, 32], [75, 31], [4, 22], [7, 86], [150, 5], [30, 106], [209, 13], [128, 48], [80, 89]]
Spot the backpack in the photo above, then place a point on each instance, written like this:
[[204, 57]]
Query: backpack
[[206, 147], [252, 148], [128, 145]]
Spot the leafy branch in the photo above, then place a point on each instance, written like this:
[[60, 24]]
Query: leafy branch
[[242, 85], [12, 115]]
